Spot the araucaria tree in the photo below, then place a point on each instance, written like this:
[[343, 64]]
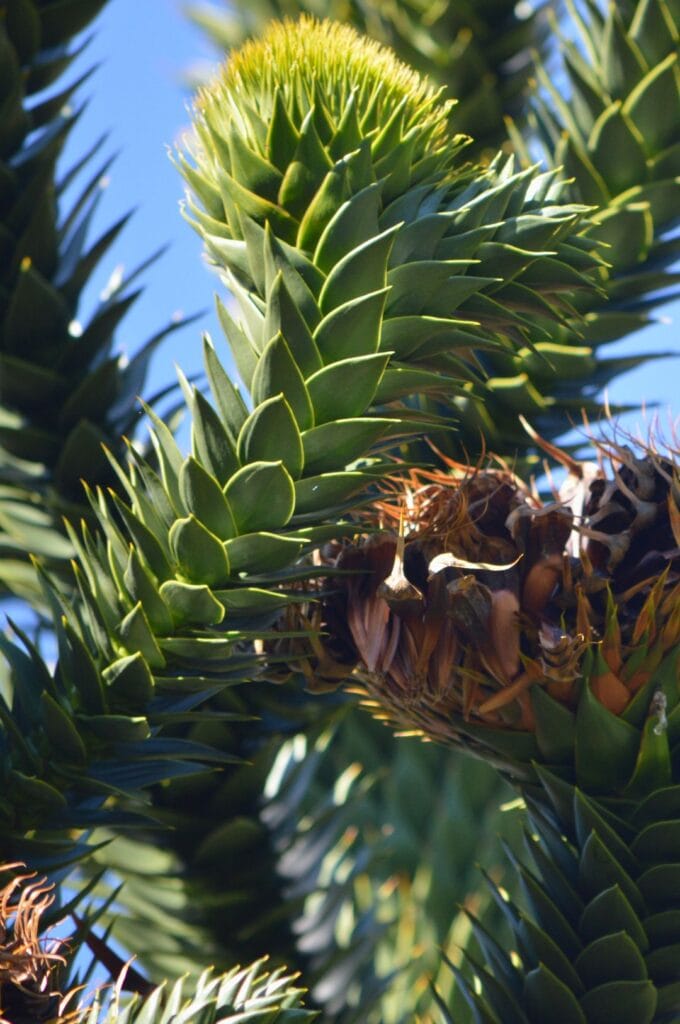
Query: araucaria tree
[[375, 531]]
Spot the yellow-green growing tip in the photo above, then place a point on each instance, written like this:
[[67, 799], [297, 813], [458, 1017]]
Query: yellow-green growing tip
[[331, 56]]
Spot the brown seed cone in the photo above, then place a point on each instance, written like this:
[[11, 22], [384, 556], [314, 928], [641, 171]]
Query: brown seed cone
[[475, 591]]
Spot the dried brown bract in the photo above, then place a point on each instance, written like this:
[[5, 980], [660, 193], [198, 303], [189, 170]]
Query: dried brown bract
[[474, 591], [30, 963]]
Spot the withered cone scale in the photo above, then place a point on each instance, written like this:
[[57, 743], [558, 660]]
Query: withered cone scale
[[31, 964], [483, 616]]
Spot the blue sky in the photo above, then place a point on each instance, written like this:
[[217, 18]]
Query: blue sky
[[145, 47], [137, 95]]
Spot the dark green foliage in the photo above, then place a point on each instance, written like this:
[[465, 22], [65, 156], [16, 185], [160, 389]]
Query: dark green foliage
[[63, 390], [362, 250], [600, 938]]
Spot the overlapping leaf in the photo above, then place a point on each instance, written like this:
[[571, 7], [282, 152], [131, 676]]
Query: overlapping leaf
[[79, 745], [599, 938], [610, 119], [625, 167], [347, 224]]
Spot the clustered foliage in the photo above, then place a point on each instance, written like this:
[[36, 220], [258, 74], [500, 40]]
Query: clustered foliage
[[191, 771]]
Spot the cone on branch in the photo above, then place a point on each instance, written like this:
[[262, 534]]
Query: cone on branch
[[360, 248], [482, 615], [326, 193], [543, 636]]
